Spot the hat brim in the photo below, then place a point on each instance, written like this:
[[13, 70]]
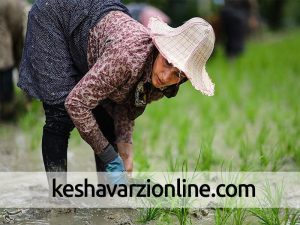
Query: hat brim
[[200, 81]]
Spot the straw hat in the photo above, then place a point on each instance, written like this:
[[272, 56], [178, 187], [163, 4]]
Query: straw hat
[[187, 47]]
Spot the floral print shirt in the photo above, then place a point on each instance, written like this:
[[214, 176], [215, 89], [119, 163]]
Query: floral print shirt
[[120, 55]]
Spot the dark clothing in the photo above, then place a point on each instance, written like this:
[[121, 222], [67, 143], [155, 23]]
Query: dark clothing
[[241, 5], [6, 85], [56, 45], [235, 29], [7, 106], [119, 54], [57, 131]]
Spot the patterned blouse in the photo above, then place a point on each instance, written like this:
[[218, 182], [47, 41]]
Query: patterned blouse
[[120, 56]]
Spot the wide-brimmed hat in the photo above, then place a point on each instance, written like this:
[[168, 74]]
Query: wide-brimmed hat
[[187, 47]]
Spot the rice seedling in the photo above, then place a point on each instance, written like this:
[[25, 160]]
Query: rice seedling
[[260, 141], [245, 154], [293, 217], [148, 214], [183, 136], [182, 212], [239, 216], [182, 215], [165, 218], [206, 155], [222, 216], [270, 216], [32, 125]]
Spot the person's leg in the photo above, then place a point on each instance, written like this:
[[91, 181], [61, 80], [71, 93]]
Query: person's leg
[[56, 133], [6, 85], [6, 94], [106, 125], [235, 26]]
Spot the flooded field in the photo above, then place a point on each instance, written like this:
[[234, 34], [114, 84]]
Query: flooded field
[[16, 156], [251, 124]]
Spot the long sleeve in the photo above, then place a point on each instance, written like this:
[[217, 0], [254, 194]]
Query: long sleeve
[[107, 74], [118, 52], [123, 125]]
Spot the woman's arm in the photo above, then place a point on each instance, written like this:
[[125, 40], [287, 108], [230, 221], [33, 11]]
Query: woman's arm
[[108, 73], [123, 130], [126, 152]]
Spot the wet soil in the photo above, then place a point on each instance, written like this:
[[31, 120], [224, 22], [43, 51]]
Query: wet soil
[[16, 155]]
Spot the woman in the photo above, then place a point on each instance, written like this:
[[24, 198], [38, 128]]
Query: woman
[[95, 67]]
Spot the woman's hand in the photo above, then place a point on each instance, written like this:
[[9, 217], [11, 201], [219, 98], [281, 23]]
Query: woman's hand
[[115, 171], [126, 153]]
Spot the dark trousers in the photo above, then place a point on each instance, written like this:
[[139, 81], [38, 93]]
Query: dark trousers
[[56, 133], [6, 85], [7, 107]]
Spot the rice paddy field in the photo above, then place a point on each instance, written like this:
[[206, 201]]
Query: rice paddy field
[[252, 123]]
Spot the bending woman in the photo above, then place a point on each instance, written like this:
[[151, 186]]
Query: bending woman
[[95, 67]]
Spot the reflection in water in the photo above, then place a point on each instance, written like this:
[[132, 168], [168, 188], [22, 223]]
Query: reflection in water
[[66, 216], [16, 155]]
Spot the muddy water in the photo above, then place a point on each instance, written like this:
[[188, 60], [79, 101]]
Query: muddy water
[[67, 216], [16, 155]]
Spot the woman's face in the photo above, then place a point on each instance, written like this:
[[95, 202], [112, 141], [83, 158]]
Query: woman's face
[[165, 74]]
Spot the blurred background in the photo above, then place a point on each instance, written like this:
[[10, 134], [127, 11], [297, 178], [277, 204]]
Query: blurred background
[[251, 124]]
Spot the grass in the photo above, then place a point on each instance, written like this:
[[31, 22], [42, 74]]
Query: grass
[[32, 123], [148, 214], [251, 124], [239, 216], [222, 216], [253, 119]]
